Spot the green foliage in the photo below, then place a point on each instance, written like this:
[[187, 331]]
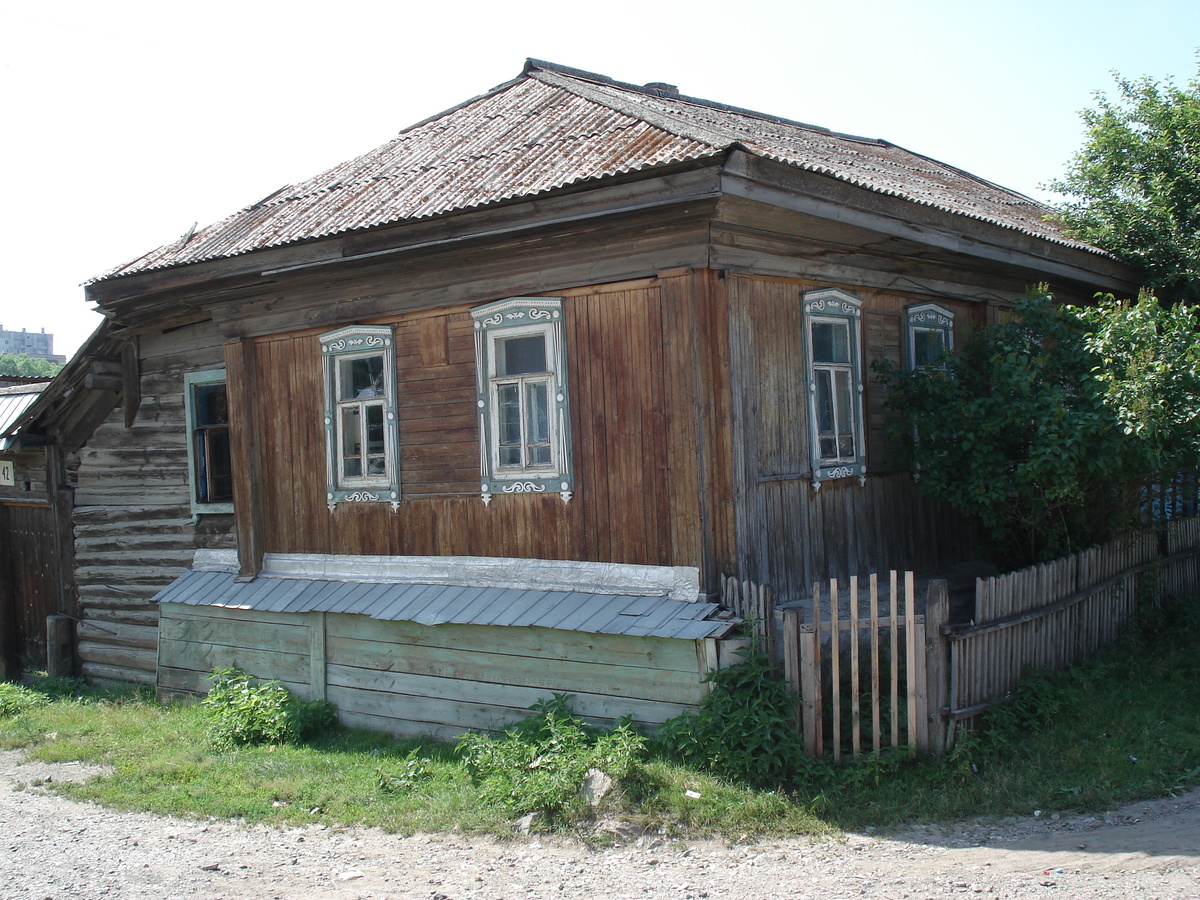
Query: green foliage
[[242, 712], [743, 729], [16, 699], [1135, 184], [414, 769], [28, 366], [1017, 431], [1148, 362], [539, 763]]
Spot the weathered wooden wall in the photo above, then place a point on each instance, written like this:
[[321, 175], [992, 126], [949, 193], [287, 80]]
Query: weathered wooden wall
[[134, 531], [646, 372], [405, 678], [789, 535]]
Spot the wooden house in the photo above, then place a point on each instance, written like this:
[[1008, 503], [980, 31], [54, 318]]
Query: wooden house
[[572, 336]]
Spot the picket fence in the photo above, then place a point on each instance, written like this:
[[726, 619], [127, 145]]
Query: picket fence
[[920, 677]]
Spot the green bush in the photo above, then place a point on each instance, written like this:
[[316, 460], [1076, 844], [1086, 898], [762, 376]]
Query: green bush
[[242, 712], [539, 764], [743, 729], [16, 699]]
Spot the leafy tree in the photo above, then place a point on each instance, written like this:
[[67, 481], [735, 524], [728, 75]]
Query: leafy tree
[[1017, 431], [1148, 360], [28, 366], [1135, 184]]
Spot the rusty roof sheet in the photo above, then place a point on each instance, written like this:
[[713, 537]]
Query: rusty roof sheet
[[554, 126]]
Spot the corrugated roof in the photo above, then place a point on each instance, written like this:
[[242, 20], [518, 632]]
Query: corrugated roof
[[554, 126], [442, 604], [15, 400]]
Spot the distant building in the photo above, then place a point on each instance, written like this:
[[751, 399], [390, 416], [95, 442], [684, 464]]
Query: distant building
[[29, 343]]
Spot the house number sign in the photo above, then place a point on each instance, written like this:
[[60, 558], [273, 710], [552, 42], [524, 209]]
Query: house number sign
[[7, 473]]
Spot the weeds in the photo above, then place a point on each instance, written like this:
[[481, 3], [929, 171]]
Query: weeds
[[242, 712], [16, 699]]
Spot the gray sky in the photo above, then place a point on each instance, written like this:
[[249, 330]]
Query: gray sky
[[128, 121]]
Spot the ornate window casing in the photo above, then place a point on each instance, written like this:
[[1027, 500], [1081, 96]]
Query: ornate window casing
[[929, 334], [362, 442], [210, 469], [524, 420], [832, 345]]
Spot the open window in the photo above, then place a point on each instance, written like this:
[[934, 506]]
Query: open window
[[929, 335], [361, 438], [521, 372], [210, 470], [832, 338]]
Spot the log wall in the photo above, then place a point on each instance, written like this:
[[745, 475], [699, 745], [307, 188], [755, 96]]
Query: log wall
[[134, 531], [404, 678]]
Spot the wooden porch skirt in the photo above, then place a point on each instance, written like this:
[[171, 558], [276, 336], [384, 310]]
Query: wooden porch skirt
[[405, 678]]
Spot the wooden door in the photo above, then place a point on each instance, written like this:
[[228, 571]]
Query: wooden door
[[30, 584]]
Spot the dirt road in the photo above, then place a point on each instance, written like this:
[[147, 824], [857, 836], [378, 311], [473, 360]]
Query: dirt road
[[54, 848]]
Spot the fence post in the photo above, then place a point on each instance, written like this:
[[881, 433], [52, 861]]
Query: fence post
[[792, 617], [937, 664]]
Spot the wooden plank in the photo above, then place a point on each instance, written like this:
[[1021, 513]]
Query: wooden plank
[[835, 654], [875, 698], [937, 613], [893, 641], [795, 663], [479, 662], [259, 662], [317, 679], [611, 649], [855, 712]]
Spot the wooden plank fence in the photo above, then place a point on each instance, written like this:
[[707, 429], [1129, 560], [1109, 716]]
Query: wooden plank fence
[[921, 677]]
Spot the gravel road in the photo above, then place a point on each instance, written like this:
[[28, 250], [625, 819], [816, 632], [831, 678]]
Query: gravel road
[[56, 849]]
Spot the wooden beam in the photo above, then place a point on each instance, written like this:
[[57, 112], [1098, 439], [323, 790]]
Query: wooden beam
[[241, 368], [131, 382]]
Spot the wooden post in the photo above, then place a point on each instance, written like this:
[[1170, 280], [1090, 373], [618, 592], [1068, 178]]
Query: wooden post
[[937, 663], [916, 735], [316, 656], [794, 665], [60, 647], [242, 390]]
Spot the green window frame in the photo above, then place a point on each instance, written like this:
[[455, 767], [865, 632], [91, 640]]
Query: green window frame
[[522, 401], [929, 334], [833, 356], [362, 438], [210, 466]]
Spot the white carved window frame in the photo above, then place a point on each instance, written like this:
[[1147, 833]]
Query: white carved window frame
[[512, 318], [834, 306], [927, 318], [360, 342], [190, 381]]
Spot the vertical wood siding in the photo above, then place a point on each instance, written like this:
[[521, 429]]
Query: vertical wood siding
[[645, 368], [788, 534], [32, 588]]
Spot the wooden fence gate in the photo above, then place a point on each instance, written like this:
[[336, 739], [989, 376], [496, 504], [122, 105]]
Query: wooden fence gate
[[866, 651]]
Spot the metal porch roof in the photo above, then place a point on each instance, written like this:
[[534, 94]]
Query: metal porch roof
[[442, 604]]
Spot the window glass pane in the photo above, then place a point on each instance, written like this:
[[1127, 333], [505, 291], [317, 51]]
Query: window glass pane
[[361, 379], [508, 398], [210, 405], [928, 346], [845, 418], [374, 430], [220, 469], [521, 355], [538, 423], [831, 342], [824, 380], [351, 441]]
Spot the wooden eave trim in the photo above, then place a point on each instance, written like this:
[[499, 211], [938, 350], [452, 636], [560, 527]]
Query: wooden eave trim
[[681, 183], [778, 184]]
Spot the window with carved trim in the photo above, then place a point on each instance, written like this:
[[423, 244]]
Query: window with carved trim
[[930, 334], [832, 339], [522, 404], [210, 468], [361, 437]]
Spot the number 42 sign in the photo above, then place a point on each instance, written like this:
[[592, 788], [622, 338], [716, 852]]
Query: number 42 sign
[[7, 475]]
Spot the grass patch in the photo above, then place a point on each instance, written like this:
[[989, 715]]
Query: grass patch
[[1120, 728]]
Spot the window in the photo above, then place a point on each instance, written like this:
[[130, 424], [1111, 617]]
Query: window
[[210, 470], [361, 438], [930, 328], [832, 340], [524, 425]]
